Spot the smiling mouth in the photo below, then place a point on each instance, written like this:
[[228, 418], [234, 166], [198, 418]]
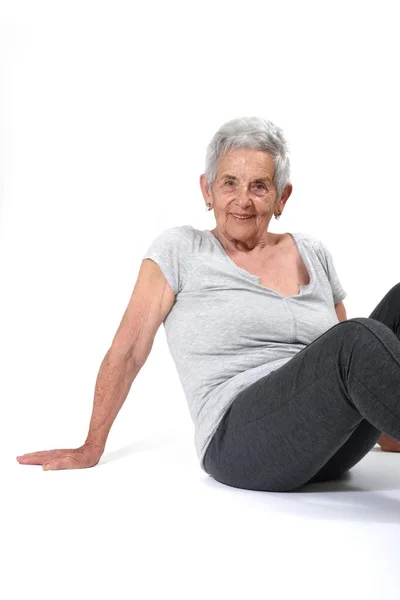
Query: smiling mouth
[[241, 217]]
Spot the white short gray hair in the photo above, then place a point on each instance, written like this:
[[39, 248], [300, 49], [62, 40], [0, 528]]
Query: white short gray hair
[[250, 132]]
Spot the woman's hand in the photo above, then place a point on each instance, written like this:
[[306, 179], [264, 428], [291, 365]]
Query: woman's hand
[[75, 458], [388, 444]]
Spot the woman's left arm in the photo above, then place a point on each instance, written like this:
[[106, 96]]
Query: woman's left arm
[[341, 311]]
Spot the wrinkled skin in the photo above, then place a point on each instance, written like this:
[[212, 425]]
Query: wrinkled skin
[[70, 458]]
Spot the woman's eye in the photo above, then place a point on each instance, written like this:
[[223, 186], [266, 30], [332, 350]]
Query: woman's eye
[[230, 181]]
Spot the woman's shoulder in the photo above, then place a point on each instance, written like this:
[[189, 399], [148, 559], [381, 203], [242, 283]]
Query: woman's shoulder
[[308, 238]]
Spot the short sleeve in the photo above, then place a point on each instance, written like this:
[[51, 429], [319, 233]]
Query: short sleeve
[[338, 292], [170, 250]]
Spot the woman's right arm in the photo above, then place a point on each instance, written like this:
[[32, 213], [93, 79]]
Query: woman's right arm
[[150, 303]]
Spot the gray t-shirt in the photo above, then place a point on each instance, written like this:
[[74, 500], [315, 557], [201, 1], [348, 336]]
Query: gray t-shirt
[[225, 330]]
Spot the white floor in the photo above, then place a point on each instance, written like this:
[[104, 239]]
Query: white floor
[[148, 523]]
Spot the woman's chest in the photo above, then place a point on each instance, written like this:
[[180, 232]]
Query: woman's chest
[[283, 271]]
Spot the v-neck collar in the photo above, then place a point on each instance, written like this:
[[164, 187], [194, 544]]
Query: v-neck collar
[[303, 288]]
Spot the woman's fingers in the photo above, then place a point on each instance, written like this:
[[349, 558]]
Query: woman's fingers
[[67, 458], [65, 462], [37, 458], [389, 444]]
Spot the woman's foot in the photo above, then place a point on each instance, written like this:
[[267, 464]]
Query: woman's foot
[[388, 444]]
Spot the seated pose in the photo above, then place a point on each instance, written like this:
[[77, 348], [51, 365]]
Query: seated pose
[[282, 388]]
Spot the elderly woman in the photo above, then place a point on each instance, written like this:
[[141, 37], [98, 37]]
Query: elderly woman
[[281, 388]]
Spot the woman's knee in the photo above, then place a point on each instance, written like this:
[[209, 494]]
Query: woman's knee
[[365, 326]]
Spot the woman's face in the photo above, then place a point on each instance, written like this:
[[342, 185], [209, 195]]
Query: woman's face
[[243, 186]]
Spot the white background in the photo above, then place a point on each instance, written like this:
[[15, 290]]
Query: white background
[[106, 112]]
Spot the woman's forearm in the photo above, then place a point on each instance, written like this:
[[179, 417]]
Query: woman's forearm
[[116, 375]]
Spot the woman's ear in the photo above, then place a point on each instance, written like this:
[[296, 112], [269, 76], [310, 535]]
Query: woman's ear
[[205, 188]]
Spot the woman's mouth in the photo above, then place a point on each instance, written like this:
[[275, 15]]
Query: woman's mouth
[[241, 218]]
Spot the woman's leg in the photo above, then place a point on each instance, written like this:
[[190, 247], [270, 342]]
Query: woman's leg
[[366, 435], [318, 414]]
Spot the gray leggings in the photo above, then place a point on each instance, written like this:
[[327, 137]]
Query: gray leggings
[[319, 414]]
